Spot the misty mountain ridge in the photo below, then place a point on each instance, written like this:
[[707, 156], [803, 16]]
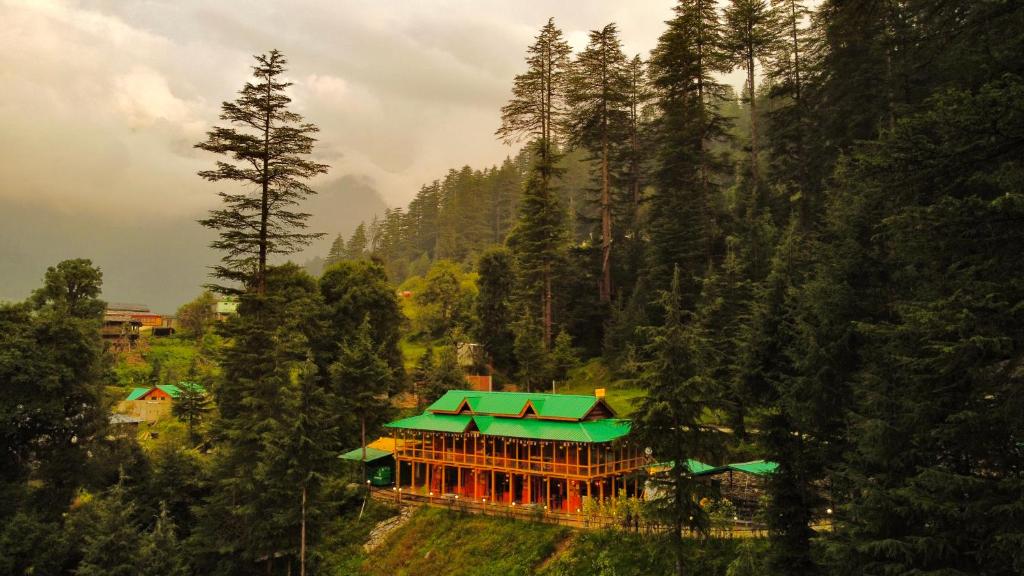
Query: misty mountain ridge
[[161, 262]]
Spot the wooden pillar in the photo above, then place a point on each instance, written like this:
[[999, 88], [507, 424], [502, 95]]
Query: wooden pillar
[[600, 487], [492, 485], [548, 490], [412, 485], [511, 487], [458, 480]]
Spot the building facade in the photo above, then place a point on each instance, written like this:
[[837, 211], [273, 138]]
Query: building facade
[[518, 449]]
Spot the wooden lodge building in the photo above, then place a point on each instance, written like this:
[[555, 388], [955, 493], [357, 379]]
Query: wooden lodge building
[[517, 449]]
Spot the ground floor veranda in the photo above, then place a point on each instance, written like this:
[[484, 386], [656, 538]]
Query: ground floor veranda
[[445, 481]]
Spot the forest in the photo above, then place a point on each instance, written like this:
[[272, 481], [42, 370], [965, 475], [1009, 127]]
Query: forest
[[823, 270]]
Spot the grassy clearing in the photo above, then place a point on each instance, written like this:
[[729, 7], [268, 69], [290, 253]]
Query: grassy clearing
[[412, 350], [620, 394], [437, 541], [175, 355]]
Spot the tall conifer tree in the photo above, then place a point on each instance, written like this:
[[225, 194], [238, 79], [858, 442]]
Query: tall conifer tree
[[678, 387], [537, 112], [599, 97], [683, 67], [267, 145]]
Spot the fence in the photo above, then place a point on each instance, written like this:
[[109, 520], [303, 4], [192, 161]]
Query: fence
[[537, 513]]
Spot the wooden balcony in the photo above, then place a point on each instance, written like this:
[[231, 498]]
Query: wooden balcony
[[560, 459]]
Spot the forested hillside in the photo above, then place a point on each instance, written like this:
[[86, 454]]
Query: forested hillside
[[824, 269]]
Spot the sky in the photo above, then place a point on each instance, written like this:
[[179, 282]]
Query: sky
[[103, 100]]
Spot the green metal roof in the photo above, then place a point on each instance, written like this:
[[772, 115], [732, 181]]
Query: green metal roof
[[434, 422], [172, 390], [557, 406], [588, 431], [136, 393], [372, 454], [756, 467]]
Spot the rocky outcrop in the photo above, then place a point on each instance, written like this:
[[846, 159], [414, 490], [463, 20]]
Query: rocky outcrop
[[381, 531]]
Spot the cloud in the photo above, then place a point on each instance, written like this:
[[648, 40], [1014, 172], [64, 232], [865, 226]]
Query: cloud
[[118, 91]]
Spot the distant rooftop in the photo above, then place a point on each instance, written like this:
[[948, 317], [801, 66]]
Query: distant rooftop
[[126, 307]]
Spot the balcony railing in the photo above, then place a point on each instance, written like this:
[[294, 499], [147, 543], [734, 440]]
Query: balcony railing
[[536, 464]]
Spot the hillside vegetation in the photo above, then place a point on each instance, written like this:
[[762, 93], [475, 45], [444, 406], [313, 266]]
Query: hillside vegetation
[[437, 541]]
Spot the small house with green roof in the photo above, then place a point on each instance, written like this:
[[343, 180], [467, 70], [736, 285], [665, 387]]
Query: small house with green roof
[[151, 403], [547, 450]]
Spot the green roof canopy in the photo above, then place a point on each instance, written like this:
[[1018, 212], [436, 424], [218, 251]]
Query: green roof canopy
[[434, 422], [555, 417], [756, 467], [588, 431], [372, 454], [172, 390], [137, 393], [513, 404]]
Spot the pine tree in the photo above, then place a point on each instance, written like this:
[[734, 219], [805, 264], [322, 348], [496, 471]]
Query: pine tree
[[337, 253], [355, 249], [494, 307], [678, 388], [423, 374], [447, 375], [633, 167], [598, 96], [683, 65], [362, 378], [537, 112], [268, 143], [749, 35], [162, 554], [563, 356], [787, 73], [252, 513], [191, 406], [933, 475], [310, 449], [531, 357], [113, 540]]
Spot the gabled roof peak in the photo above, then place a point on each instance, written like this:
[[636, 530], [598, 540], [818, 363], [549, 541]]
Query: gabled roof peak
[[544, 406]]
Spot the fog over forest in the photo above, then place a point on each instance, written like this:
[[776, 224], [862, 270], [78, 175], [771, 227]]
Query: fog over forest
[[104, 100]]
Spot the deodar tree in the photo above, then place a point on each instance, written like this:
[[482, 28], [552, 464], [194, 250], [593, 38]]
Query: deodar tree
[[598, 94], [265, 150], [537, 112]]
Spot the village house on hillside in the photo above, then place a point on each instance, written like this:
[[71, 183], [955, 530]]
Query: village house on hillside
[[154, 402]]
